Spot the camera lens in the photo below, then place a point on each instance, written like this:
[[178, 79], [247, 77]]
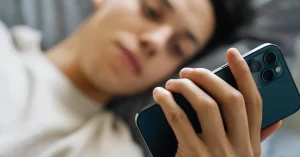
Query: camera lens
[[270, 58], [255, 66], [268, 75]]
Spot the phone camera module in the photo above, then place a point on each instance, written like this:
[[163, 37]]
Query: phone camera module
[[268, 75], [270, 58], [255, 66]]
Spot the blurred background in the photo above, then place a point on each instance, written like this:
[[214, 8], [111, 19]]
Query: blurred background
[[276, 21]]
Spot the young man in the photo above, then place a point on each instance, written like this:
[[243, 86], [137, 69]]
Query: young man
[[52, 105]]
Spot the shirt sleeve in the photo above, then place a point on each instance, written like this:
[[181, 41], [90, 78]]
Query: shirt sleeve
[[7, 49]]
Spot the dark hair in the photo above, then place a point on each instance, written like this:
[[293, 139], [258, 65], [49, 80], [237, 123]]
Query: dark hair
[[229, 15]]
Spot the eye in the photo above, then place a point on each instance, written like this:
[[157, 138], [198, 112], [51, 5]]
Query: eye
[[151, 12], [176, 50]]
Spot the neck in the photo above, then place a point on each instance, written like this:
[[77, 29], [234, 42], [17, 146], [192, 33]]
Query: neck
[[65, 57]]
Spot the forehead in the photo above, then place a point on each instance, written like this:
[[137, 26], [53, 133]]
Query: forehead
[[197, 16]]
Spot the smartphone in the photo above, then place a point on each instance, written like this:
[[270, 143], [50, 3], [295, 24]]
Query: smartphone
[[273, 79]]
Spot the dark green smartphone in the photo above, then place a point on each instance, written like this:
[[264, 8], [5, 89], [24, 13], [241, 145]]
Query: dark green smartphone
[[273, 79]]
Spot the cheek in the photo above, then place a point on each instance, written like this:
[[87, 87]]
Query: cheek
[[161, 69], [101, 76], [155, 72], [90, 68]]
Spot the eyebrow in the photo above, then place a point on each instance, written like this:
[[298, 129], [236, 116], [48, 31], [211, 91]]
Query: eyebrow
[[168, 4], [188, 34]]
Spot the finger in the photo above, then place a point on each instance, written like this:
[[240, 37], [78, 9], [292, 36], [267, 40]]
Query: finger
[[207, 111], [270, 130], [230, 100], [177, 119], [247, 87]]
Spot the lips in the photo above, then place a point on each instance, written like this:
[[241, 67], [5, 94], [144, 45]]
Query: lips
[[130, 60]]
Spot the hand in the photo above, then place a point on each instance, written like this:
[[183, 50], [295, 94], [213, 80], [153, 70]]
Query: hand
[[241, 110]]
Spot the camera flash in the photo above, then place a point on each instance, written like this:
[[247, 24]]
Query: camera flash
[[278, 69]]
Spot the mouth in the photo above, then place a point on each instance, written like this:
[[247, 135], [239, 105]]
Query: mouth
[[130, 60]]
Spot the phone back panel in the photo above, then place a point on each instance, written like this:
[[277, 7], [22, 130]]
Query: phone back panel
[[280, 100]]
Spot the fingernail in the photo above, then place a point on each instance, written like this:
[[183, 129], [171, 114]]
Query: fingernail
[[169, 83], [185, 71], [237, 54], [156, 90]]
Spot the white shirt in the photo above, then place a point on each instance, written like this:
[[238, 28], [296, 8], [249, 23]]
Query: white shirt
[[43, 115]]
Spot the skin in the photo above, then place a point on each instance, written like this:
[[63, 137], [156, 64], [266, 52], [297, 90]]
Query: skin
[[93, 59], [148, 28], [242, 111]]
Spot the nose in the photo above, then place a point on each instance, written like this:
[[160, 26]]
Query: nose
[[152, 41]]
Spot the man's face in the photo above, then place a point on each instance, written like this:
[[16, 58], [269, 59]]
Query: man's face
[[131, 45]]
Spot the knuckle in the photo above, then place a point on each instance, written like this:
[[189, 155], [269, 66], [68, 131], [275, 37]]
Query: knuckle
[[258, 101], [183, 83], [201, 72], [236, 98], [257, 104], [209, 106], [176, 116]]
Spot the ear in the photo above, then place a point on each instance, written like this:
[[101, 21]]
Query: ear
[[97, 3]]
